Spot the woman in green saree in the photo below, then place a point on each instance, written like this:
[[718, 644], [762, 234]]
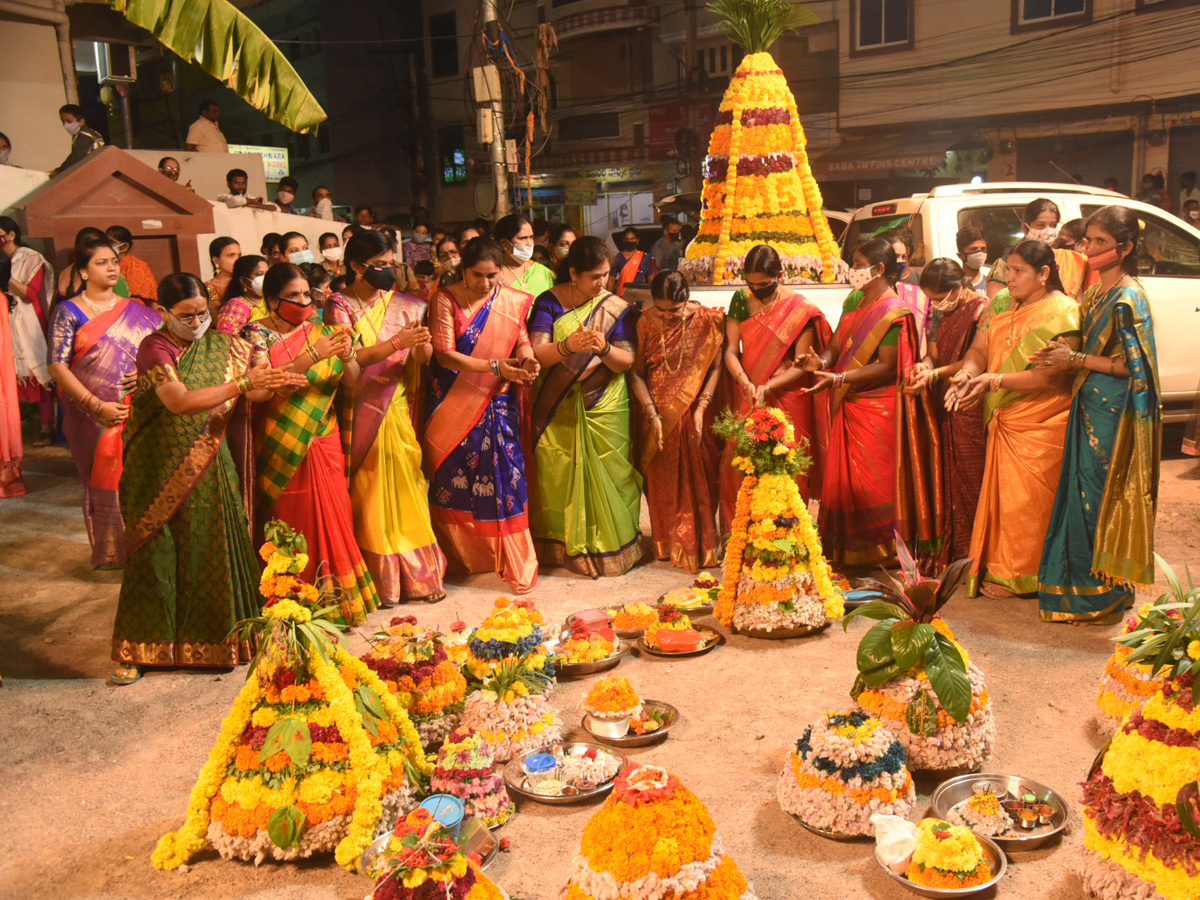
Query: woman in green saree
[[1100, 545], [585, 496], [191, 572]]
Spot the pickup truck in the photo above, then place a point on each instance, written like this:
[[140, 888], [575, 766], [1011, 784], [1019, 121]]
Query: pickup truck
[[1169, 264]]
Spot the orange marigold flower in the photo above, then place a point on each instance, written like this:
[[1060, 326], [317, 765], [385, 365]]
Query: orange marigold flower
[[278, 761]]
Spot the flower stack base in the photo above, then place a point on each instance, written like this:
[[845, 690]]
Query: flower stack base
[[1125, 687]]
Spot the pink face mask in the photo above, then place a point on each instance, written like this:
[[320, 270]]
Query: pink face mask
[[1102, 261]]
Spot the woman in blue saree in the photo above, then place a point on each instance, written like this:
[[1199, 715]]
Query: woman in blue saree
[[1100, 544]]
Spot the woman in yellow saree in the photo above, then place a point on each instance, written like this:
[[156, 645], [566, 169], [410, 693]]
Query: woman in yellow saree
[[388, 492], [585, 506], [1025, 412]]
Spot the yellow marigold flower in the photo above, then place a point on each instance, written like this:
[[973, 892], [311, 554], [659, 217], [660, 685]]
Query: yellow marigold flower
[[264, 717], [1193, 649], [288, 609]]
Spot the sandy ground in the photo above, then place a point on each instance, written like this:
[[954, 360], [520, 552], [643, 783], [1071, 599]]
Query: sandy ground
[[94, 774]]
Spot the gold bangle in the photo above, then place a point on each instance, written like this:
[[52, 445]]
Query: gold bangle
[[995, 381], [243, 383], [933, 376], [311, 350]]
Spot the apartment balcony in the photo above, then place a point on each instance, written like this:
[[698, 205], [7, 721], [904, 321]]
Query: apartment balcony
[[575, 18]]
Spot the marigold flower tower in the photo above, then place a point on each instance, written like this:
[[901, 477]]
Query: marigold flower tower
[[316, 753], [758, 185], [1141, 802]]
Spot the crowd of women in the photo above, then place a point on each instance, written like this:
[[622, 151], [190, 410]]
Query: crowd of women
[[514, 418]]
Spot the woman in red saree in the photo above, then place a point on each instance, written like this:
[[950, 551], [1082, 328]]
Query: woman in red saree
[[767, 329], [882, 472], [473, 444], [94, 341], [31, 284], [300, 467], [674, 377]]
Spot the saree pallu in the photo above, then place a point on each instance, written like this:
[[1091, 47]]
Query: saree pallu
[[1024, 449], [585, 510], [767, 339], [1100, 545], [301, 472], [12, 450], [478, 494], [636, 267], [192, 573], [99, 351], [681, 479], [388, 492]]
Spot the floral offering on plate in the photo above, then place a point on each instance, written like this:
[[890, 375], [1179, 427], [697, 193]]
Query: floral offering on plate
[[585, 646], [776, 577], [423, 861], [414, 665], [612, 697], [511, 712], [667, 618], [585, 769], [316, 753], [512, 630], [948, 857], [653, 839], [648, 721], [846, 768], [983, 813], [703, 592], [466, 768], [1126, 686], [633, 617]]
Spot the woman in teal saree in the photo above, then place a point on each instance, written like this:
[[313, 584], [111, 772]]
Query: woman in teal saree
[[1100, 544], [585, 503]]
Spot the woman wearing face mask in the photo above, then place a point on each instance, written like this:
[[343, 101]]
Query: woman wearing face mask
[[515, 235], [419, 246], [560, 238], [31, 284], [674, 378], [301, 472], [94, 341], [331, 254], [883, 455], [956, 310], [768, 328], [388, 492], [472, 446], [243, 298], [295, 248], [449, 260], [223, 252], [631, 264], [192, 573], [586, 502], [5, 150], [1041, 223], [1025, 410], [1099, 548]]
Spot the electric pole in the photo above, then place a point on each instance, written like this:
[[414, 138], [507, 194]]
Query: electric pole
[[495, 103]]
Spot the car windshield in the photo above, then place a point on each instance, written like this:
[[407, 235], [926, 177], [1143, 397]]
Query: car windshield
[[864, 229]]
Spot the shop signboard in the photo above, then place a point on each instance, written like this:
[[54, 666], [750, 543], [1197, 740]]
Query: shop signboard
[[275, 159]]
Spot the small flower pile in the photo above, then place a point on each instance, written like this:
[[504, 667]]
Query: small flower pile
[[422, 862], [510, 711], [846, 768], [634, 617], [466, 768], [983, 814], [513, 629], [667, 618], [414, 665], [947, 856], [653, 839], [776, 575], [758, 185], [585, 646], [703, 592], [1126, 685], [316, 754], [612, 697]]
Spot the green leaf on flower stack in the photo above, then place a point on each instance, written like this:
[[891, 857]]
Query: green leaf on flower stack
[[875, 649], [947, 672], [285, 827], [291, 736], [921, 715], [1186, 805], [909, 643]]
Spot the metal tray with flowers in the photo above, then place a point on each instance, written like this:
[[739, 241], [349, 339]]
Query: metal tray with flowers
[[575, 670], [956, 791], [996, 859], [474, 834], [670, 717], [627, 633], [515, 777], [709, 640]]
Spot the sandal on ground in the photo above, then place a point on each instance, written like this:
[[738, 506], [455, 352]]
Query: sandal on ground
[[125, 674], [995, 591], [45, 439]]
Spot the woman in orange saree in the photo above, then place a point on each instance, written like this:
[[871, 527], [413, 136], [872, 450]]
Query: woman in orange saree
[[769, 327], [473, 441], [94, 342], [1025, 410], [674, 377]]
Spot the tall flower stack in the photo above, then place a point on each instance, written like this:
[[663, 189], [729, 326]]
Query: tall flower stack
[[653, 839], [510, 710], [845, 768], [466, 768], [414, 665], [512, 630], [776, 576], [422, 861], [1125, 685], [1141, 804], [316, 754], [758, 185], [916, 678]]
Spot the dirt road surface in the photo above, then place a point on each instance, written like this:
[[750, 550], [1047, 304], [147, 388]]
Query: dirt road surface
[[93, 775]]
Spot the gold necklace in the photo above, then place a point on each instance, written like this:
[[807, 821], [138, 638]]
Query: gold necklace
[[280, 337], [662, 337]]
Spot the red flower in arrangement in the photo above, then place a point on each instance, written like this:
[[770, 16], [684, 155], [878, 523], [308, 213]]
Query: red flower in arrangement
[[669, 613], [640, 784], [402, 620], [505, 844], [458, 627]]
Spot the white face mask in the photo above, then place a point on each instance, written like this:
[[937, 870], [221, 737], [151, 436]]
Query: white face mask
[[453, 263], [949, 304], [300, 256], [420, 239], [4, 157], [256, 285], [72, 127], [186, 332], [560, 251], [332, 254], [1193, 214], [1048, 235], [286, 197], [522, 252], [977, 259], [860, 278]]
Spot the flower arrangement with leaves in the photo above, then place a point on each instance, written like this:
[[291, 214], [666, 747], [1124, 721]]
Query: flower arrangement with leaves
[[510, 710], [422, 861], [947, 856], [315, 755], [466, 768], [1141, 802], [1126, 686], [513, 629], [914, 676], [758, 184], [776, 574], [667, 618], [653, 838]]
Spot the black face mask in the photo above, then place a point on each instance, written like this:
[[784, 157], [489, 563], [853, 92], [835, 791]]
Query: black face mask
[[762, 293], [381, 277], [629, 244]]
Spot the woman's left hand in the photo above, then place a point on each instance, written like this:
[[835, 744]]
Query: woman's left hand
[[1055, 355], [760, 395], [698, 420], [128, 383], [822, 380]]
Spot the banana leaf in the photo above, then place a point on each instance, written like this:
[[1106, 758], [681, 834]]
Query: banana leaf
[[230, 47]]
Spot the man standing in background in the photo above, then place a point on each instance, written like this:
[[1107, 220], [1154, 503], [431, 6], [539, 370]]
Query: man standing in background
[[667, 250], [205, 135]]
